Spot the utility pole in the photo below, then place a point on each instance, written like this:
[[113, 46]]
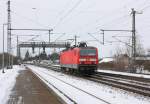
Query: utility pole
[[3, 57], [17, 47], [49, 31], [49, 35], [9, 35], [134, 35], [39, 54], [75, 38], [103, 37]]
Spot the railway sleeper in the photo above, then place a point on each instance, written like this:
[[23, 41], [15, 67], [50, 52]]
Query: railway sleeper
[[122, 86]]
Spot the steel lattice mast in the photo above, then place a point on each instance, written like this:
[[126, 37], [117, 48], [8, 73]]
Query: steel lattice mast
[[9, 35]]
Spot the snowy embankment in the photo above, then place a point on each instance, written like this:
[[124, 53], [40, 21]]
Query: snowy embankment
[[7, 82], [107, 93], [125, 74]]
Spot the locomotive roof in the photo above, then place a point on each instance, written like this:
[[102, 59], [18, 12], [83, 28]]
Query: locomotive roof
[[87, 47], [78, 47]]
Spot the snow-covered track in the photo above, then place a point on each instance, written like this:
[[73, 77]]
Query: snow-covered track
[[134, 84], [127, 83], [43, 79], [52, 67], [73, 86]]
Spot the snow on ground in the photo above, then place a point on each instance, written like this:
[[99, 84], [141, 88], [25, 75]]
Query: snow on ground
[[143, 71], [108, 93], [107, 59], [7, 81], [125, 73]]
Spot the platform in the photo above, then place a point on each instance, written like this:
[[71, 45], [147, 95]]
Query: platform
[[30, 90]]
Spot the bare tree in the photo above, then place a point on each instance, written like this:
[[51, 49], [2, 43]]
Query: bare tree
[[121, 59], [139, 47]]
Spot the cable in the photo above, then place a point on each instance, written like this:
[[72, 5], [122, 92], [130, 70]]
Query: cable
[[104, 16], [112, 12], [146, 7], [29, 19], [119, 18], [95, 38], [143, 4], [66, 5], [59, 37], [69, 12], [82, 12]]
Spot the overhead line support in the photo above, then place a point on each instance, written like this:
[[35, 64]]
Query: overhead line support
[[49, 30], [103, 30]]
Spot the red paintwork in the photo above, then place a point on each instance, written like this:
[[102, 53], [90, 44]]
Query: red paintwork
[[72, 56]]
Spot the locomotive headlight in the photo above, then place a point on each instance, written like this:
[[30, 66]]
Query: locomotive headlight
[[82, 59], [93, 59]]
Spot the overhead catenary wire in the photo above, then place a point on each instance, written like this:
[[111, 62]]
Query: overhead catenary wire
[[108, 24], [114, 21], [145, 8], [125, 24], [68, 13], [95, 38], [59, 36], [29, 19], [113, 12], [63, 10], [144, 3], [81, 12], [104, 17]]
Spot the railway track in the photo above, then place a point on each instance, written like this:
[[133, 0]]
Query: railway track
[[128, 83], [135, 86], [73, 86]]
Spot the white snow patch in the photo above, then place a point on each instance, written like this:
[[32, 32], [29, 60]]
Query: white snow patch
[[108, 93], [125, 73], [106, 60], [7, 82]]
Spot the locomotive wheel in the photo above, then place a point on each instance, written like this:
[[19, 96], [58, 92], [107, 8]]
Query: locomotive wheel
[[71, 71], [63, 69]]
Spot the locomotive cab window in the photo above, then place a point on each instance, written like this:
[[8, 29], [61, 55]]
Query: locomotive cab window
[[84, 52]]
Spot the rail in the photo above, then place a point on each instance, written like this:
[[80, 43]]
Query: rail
[[70, 86], [133, 84]]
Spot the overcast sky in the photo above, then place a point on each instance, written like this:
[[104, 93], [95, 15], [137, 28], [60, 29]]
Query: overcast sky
[[78, 17]]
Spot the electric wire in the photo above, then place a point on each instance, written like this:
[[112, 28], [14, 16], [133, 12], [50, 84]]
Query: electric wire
[[63, 10], [59, 37], [68, 13], [112, 12], [29, 19]]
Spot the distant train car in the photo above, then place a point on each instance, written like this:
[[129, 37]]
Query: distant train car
[[81, 59]]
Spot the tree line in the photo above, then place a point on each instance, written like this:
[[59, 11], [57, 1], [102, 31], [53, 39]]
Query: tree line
[[6, 58]]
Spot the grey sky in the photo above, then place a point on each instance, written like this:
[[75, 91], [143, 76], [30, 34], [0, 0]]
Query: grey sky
[[79, 17]]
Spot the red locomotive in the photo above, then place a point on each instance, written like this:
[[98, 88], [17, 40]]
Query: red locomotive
[[80, 59]]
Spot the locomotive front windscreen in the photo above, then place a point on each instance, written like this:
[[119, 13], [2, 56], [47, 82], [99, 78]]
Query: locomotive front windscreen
[[89, 52]]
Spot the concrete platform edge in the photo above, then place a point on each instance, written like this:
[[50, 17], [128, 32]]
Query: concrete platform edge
[[58, 97]]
